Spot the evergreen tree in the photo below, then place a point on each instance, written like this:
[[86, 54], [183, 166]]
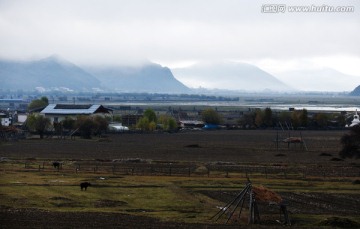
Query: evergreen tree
[[351, 143], [38, 103]]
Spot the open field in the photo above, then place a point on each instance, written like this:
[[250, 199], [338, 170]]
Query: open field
[[175, 180], [251, 146]]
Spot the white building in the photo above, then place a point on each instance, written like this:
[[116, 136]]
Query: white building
[[355, 121], [58, 112]]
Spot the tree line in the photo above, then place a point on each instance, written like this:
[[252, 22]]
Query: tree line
[[295, 119]]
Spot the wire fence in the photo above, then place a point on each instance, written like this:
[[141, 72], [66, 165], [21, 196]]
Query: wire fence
[[141, 168]]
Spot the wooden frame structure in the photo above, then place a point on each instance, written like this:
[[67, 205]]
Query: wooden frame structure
[[237, 204], [289, 140]]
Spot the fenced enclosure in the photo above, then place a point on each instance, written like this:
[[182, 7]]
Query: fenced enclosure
[[139, 167]]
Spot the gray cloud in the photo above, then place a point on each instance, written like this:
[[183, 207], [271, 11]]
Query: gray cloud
[[169, 31]]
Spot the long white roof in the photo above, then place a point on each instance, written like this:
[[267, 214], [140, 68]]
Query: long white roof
[[70, 109]]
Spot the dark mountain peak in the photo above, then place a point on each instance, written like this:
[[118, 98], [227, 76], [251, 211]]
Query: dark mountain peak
[[149, 77], [356, 91]]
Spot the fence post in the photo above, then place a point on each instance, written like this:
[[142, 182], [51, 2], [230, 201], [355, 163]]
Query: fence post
[[189, 171], [266, 175]]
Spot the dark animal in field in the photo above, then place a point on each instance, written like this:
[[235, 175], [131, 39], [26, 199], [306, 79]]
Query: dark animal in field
[[84, 185], [56, 164]]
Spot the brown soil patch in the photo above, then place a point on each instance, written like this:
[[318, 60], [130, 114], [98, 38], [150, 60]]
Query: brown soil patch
[[33, 218], [265, 195], [251, 146], [109, 203]]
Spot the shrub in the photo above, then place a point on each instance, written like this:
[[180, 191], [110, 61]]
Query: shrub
[[351, 143]]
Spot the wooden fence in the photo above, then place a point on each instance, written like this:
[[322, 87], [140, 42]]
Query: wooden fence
[[192, 169]]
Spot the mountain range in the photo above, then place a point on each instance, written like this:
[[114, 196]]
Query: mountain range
[[145, 78], [232, 76], [356, 91], [322, 79], [54, 73]]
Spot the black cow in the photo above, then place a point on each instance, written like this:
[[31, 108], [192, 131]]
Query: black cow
[[84, 185], [56, 164]]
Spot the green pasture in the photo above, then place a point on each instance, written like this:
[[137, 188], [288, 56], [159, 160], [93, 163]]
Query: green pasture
[[169, 198]]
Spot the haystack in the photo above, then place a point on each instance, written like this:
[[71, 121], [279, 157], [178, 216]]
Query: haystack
[[265, 195]]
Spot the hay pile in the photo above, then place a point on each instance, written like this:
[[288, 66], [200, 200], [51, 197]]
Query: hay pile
[[263, 194]]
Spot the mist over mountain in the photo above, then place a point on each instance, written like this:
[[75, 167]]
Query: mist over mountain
[[57, 74], [146, 78], [49, 73], [231, 76], [325, 79]]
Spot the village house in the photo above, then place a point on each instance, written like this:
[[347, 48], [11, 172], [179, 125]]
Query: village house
[[58, 112]]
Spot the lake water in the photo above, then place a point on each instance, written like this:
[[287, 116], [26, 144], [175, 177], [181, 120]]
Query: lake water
[[245, 105]]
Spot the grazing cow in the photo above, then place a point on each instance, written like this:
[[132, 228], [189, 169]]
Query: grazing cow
[[84, 185], [56, 164]]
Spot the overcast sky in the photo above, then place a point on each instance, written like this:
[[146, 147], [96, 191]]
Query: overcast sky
[[177, 33]]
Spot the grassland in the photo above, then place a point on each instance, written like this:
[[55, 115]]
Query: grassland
[[31, 190]]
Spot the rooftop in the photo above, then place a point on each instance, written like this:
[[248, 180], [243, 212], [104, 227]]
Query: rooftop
[[72, 109]]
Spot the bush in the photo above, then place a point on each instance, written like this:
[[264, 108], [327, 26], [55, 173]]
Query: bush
[[168, 123], [351, 143], [210, 116], [38, 103]]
